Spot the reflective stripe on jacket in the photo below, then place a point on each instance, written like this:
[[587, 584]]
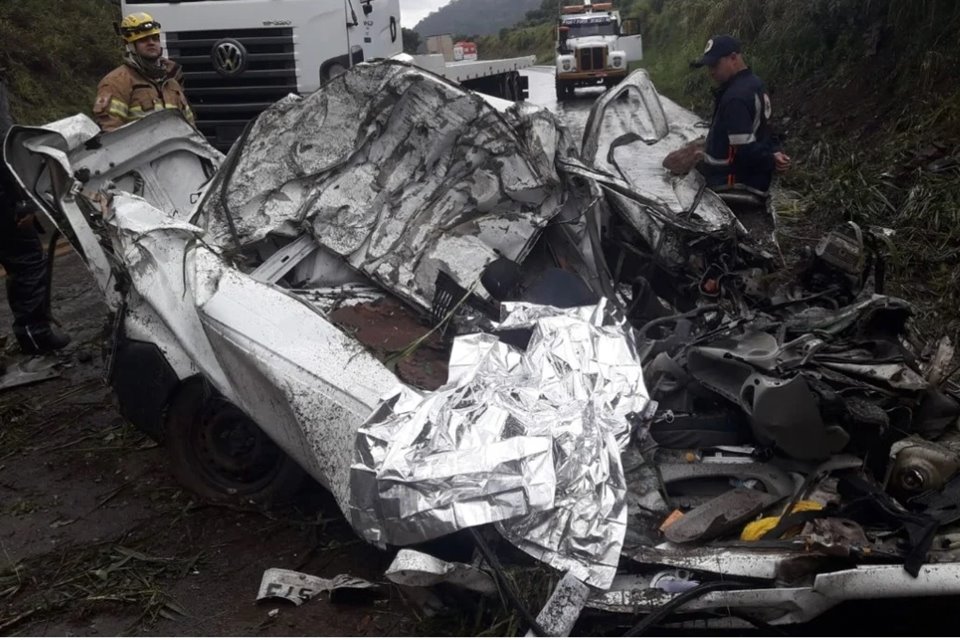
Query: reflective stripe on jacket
[[125, 95]]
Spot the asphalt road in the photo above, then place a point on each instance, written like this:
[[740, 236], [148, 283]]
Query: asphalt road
[[572, 111]]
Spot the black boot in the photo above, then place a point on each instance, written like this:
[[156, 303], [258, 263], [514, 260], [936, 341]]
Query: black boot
[[40, 338]]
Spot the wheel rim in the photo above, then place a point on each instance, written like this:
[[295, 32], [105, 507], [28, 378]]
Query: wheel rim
[[232, 452]]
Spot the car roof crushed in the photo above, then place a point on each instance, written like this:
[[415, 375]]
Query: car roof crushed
[[626, 380]]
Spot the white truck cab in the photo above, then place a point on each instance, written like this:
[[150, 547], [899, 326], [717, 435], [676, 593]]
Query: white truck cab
[[241, 56], [594, 47]]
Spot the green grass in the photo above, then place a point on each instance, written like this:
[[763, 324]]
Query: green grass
[[53, 53]]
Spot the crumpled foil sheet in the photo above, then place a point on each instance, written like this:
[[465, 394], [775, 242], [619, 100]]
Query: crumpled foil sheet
[[530, 440]]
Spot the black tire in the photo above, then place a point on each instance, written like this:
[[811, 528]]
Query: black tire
[[333, 70], [561, 89], [222, 455]]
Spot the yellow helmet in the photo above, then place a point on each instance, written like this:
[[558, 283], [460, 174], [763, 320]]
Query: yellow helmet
[[137, 26]]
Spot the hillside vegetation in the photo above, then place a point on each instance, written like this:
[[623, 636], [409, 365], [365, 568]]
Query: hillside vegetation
[[867, 94], [475, 17], [53, 53]]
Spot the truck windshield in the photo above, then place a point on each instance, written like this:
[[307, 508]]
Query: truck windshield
[[598, 28]]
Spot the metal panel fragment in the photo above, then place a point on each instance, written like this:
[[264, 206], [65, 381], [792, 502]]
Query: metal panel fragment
[[298, 588], [417, 569]]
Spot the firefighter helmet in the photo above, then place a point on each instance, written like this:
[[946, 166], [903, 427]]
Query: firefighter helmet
[[137, 26]]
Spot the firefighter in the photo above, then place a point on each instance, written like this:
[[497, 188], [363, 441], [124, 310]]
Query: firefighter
[[22, 257], [146, 82], [740, 153]]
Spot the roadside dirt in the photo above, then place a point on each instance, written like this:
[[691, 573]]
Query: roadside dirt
[[97, 538]]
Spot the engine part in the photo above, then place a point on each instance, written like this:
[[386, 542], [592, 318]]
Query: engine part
[[919, 466]]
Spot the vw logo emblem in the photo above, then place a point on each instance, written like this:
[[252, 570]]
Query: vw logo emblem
[[229, 57]]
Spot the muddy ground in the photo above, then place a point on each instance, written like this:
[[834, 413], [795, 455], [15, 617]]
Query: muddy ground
[[97, 538]]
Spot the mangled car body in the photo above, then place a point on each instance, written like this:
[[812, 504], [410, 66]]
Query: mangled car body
[[449, 314]]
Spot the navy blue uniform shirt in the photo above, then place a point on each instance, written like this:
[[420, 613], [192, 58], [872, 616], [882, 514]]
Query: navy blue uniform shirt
[[739, 150]]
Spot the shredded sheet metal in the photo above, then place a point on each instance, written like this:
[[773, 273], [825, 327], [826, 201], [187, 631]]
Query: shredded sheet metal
[[562, 610], [528, 440], [399, 172], [28, 371], [417, 569], [298, 587]]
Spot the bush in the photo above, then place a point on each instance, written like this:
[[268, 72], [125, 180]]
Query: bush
[[53, 53]]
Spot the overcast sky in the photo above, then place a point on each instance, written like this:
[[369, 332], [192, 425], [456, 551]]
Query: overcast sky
[[413, 11]]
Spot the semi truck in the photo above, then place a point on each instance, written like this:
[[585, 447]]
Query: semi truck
[[241, 56], [594, 46]]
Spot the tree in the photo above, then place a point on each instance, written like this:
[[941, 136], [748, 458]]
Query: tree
[[411, 41]]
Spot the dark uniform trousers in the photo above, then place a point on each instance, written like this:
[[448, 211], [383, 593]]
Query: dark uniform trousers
[[22, 257]]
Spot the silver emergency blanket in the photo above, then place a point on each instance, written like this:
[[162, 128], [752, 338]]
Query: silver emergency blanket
[[398, 171], [530, 440]]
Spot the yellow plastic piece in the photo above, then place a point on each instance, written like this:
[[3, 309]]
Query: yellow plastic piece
[[758, 528]]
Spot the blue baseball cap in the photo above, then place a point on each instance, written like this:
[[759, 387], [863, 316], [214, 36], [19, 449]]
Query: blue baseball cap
[[717, 47]]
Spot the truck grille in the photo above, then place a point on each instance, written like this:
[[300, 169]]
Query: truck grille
[[224, 105], [592, 59]]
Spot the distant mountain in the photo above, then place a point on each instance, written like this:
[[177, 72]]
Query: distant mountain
[[475, 17]]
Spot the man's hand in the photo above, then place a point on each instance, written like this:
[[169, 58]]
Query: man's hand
[[782, 162]]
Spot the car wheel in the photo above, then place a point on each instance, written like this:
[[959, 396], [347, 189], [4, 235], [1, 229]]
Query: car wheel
[[222, 455]]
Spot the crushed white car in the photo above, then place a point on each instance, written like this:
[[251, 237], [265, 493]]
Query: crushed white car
[[451, 315]]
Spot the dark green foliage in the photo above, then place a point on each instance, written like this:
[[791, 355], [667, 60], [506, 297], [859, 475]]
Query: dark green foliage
[[411, 41], [53, 53]]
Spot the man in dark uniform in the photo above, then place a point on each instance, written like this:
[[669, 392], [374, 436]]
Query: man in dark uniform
[[22, 257], [740, 153]]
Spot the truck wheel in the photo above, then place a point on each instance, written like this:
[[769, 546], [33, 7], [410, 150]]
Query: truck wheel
[[333, 70], [561, 89], [220, 453]]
